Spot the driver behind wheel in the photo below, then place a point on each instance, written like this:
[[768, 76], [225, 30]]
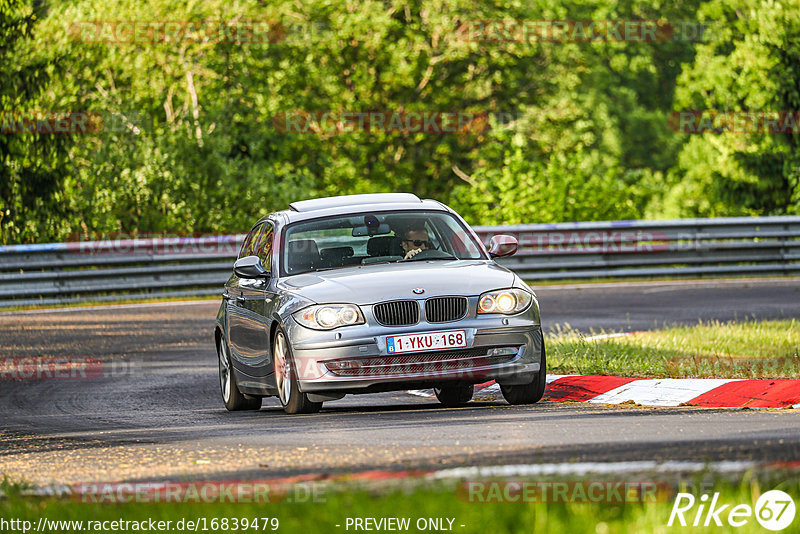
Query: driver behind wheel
[[415, 240]]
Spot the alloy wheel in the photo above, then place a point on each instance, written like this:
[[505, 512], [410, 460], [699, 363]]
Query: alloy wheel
[[224, 371], [283, 377]]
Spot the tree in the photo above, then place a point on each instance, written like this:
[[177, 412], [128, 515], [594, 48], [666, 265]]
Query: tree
[[32, 165], [191, 139], [750, 62]]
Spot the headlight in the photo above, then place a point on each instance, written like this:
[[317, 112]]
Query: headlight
[[505, 301], [329, 316]]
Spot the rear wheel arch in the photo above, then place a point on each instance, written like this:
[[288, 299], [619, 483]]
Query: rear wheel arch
[[232, 397]]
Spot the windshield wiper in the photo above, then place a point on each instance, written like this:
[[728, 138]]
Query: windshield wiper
[[379, 262], [415, 258], [321, 269]]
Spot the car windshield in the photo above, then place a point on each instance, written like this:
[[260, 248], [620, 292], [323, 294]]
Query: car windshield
[[365, 238]]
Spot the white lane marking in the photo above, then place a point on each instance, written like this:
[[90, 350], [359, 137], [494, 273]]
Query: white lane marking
[[553, 378], [660, 391], [600, 337], [665, 283], [421, 392], [582, 468], [113, 306]]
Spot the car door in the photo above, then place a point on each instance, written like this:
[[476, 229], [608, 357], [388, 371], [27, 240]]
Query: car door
[[248, 329], [266, 302]]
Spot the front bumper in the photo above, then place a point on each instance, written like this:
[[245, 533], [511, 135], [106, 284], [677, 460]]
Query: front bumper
[[508, 351]]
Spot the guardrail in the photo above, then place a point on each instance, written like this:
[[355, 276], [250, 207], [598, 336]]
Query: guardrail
[[56, 273], [733, 246]]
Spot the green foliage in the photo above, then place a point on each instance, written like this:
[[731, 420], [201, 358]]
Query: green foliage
[[32, 166], [749, 62], [189, 143]]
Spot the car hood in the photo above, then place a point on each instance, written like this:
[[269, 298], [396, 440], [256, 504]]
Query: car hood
[[367, 284]]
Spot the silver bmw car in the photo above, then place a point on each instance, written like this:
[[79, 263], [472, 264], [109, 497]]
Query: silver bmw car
[[373, 293]]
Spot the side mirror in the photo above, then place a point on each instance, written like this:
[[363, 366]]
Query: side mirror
[[502, 245], [250, 267]]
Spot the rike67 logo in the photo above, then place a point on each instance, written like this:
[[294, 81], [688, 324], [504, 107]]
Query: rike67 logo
[[774, 510]]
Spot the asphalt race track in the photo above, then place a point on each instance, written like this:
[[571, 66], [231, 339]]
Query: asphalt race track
[[156, 413]]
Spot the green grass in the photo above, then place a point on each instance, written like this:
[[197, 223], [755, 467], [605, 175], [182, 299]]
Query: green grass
[[423, 499], [748, 349]]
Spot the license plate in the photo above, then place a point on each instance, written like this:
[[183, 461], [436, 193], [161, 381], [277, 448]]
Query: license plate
[[453, 339]]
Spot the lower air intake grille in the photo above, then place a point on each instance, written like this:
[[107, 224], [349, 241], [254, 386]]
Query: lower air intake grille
[[397, 313], [433, 363]]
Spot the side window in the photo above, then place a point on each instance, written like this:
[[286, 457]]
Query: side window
[[250, 241], [264, 247]]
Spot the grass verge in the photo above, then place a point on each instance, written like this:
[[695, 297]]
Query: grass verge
[[450, 503], [747, 349]]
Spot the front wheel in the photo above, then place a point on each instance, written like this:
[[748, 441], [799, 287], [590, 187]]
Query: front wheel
[[292, 399], [528, 393], [233, 398], [454, 395]]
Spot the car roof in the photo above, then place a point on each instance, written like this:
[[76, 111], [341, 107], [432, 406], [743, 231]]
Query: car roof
[[350, 200], [343, 205]]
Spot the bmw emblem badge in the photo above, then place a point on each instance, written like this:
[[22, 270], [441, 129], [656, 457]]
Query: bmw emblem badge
[[418, 291]]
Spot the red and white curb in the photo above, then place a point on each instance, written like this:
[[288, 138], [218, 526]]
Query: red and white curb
[[706, 392]]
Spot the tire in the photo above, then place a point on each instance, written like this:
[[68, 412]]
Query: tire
[[454, 395], [292, 399], [233, 399], [528, 393]]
